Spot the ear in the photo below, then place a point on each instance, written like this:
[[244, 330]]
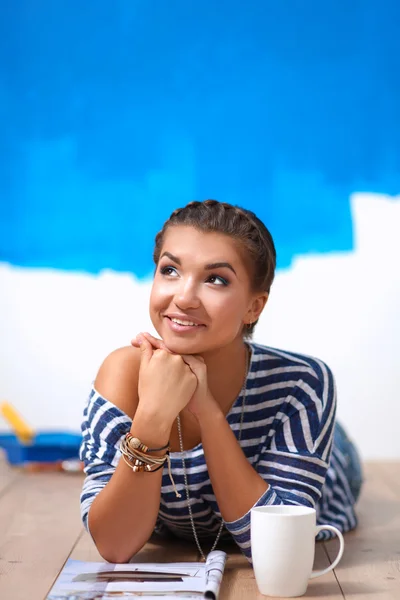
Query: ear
[[256, 307]]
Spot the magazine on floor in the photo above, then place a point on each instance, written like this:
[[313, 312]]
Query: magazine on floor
[[81, 580]]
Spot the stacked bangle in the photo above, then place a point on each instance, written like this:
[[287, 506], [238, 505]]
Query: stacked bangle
[[136, 444], [137, 456]]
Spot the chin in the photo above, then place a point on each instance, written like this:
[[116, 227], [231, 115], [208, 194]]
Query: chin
[[183, 346]]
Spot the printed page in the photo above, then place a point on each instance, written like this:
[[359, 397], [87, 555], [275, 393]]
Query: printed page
[[103, 581], [215, 566]]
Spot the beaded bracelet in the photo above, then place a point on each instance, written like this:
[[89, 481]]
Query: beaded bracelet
[[135, 443], [142, 462]]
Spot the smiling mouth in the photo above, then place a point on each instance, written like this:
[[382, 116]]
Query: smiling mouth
[[185, 323]]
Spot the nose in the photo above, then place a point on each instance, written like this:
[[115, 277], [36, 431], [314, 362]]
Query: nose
[[187, 295]]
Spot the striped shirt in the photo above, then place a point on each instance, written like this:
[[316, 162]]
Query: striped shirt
[[287, 436]]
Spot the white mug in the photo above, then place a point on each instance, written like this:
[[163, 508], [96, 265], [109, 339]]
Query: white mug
[[283, 548]]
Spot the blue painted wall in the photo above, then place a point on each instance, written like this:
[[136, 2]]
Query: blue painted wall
[[115, 113]]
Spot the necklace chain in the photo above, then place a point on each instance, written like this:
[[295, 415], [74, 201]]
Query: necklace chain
[[178, 422]]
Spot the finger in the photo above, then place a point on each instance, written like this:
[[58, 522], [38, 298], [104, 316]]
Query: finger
[[193, 358], [155, 342], [136, 341], [146, 350], [195, 363]]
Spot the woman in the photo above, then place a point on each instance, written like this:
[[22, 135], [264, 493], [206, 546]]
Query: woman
[[245, 424]]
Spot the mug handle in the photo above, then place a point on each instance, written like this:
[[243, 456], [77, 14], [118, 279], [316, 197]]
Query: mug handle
[[340, 553]]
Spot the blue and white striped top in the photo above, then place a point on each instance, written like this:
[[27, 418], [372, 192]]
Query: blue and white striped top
[[287, 435]]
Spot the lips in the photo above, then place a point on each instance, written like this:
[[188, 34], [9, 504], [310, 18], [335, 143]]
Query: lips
[[185, 321]]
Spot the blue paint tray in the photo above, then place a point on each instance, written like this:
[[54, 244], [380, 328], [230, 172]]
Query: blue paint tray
[[45, 447]]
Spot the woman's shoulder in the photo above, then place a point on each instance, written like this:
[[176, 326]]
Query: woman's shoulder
[[291, 364], [117, 378]]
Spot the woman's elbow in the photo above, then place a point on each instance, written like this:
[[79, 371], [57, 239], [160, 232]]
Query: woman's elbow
[[112, 555], [115, 553]]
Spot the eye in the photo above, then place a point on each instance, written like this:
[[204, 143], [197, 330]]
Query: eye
[[217, 280], [168, 270]]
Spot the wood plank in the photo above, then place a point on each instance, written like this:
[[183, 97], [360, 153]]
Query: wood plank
[[238, 582], [39, 524], [7, 474], [370, 567], [390, 470]]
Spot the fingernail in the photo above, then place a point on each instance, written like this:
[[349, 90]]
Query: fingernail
[[139, 338]]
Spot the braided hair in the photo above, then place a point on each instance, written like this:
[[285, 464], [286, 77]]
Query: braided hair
[[240, 224]]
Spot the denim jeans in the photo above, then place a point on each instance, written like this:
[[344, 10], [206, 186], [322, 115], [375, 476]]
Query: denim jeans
[[353, 467]]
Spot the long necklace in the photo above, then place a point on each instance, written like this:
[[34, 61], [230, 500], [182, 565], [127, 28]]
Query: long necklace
[[178, 422]]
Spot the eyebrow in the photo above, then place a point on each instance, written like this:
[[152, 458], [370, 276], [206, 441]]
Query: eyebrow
[[208, 267]]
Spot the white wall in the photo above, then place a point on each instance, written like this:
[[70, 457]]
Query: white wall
[[56, 328]]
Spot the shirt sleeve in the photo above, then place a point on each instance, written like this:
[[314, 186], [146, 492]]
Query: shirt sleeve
[[103, 426], [295, 456]]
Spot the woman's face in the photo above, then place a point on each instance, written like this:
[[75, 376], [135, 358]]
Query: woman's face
[[201, 294]]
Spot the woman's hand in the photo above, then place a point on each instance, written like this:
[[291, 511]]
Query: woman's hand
[[166, 382], [155, 342], [201, 401]]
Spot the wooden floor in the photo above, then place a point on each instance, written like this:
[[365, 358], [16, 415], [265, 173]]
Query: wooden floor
[[40, 528]]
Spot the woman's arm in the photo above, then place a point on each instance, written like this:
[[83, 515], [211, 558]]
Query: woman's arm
[[236, 484], [284, 475], [123, 514], [124, 505]]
